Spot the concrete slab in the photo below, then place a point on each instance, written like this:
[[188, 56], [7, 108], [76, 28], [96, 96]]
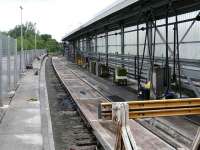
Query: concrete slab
[[21, 142], [21, 126], [21, 122]]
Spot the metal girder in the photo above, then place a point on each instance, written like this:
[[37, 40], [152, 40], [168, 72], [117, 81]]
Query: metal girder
[[96, 43], [106, 46], [122, 42], [156, 108], [185, 34]]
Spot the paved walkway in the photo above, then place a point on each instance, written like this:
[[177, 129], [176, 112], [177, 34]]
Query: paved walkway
[[21, 126]]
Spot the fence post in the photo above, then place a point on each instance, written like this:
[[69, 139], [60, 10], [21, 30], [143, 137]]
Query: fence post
[[1, 92], [15, 63], [8, 63]]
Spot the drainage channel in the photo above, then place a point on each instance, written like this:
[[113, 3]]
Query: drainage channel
[[69, 130]]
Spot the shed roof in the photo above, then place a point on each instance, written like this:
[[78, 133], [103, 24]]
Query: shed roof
[[128, 12]]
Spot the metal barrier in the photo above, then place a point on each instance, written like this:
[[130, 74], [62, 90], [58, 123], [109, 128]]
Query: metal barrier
[[12, 65]]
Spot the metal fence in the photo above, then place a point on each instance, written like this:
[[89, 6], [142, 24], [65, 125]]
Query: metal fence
[[12, 64]]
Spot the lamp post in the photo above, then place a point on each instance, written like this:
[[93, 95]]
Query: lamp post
[[1, 72], [22, 48]]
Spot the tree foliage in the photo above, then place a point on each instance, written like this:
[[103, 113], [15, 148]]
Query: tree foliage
[[44, 41]]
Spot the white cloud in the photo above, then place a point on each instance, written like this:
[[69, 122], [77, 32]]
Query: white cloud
[[56, 17]]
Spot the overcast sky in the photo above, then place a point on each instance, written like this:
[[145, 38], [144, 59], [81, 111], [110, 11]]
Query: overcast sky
[[56, 17]]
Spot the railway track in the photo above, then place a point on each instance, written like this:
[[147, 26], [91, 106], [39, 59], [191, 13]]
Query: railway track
[[69, 130], [193, 119], [176, 136], [164, 129]]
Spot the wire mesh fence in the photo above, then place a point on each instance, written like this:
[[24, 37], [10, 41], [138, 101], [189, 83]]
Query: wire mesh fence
[[12, 64]]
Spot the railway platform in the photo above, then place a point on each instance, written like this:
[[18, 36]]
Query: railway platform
[[22, 124]]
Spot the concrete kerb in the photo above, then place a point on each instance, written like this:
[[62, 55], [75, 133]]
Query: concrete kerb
[[47, 132]]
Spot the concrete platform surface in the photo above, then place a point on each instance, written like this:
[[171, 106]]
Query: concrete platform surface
[[21, 127]]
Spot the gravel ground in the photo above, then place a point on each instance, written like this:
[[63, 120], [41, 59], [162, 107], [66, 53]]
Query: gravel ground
[[70, 132]]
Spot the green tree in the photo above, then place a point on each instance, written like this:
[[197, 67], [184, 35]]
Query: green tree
[[44, 41], [45, 37]]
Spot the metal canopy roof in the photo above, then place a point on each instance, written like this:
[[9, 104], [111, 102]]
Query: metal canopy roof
[[109, 10], [131, 12]]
